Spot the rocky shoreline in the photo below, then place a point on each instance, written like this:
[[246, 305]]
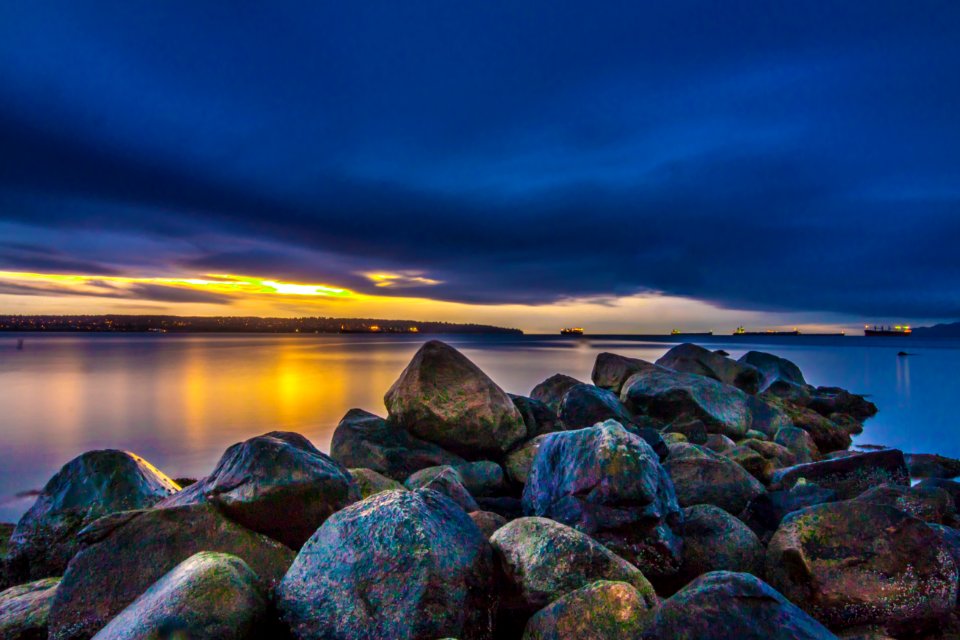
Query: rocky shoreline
[[695, 497]]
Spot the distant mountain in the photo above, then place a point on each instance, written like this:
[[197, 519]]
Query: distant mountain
[[949, 330]]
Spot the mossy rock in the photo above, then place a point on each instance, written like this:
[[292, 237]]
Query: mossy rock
[[25, 608], [369, 482], [603, 610], [701, 476]]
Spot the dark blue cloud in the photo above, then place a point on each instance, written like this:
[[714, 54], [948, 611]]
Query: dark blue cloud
[[797, 157]]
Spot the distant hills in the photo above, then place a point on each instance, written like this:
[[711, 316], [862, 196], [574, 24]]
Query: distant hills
[[947, 330], [229, 324]]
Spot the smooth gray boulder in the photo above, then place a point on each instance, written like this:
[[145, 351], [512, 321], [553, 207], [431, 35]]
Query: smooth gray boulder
[[610, 370], [551, 391], [24, 609], [774, 370], [277, 484], [701, 476], [127, 552], [364, 440], [444, 398], [691, 358], [400, 565], [88, 487], [208, 596], [609, 484]]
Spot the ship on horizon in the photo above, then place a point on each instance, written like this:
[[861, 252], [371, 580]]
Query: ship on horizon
[[677, 332], [769, 332], [571, 331], [895, 331]]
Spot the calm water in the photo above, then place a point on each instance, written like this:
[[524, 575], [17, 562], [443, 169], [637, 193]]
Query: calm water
[[180, 400]]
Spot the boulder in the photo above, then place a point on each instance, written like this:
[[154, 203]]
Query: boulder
[[694, 430], [855, 563], [930, 465], [444, 480], [764, 513], [208, 596], [277, 484], [701, 476], [398, 565], [603, 610], [127, 552], [826, 434], [722, 605], [609, 484], [24, 610], [799, 442], [929, 504], [719, 443], [487, 521], [91, 485], [773, 370], [584, 405], [369, 482], [518, 462], [537, 416], [542, 560], [482, 478], [760, 457], [367, 441], [830, 400], [444, 398], [551, 391], [849, 476], [671, 395], [610, 371], [951, 487], [691, 358]]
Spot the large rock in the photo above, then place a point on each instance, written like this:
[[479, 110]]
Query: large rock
[[537, 416], [610, 371], [276, 484], [929, 504], [714, 540], [208, 596], [444, 480], [543, 560], [127, 552], [849, 476], [603, 610], [444, 398], [724, 605], [551, 391], [691, 358], [760, 457], [765, 512], [701, 476], [24, 610], [930, 465], [799, 442], [855, 563], [608, 483], [89, 486], [774, 370], [487, 521], [584, 405], [833, 400], [826, 434], [518, 462], [672, 395], [367, 441], [370, 482], [399, 565]]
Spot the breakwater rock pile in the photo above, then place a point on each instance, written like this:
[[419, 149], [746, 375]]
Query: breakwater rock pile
[[695, 497]]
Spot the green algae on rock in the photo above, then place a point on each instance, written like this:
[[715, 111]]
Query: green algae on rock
[[24, 609], [602, 610]]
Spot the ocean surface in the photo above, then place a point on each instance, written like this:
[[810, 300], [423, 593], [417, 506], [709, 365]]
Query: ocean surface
[[180, 400]]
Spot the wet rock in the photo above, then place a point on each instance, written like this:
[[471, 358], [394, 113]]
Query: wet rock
[[277, 484], [603, 610], [694, 430], [850, 476], [399, 565], [90, 486], [799, 442], [929, 465], [444, 398], [364, 440], [369, 482], [610, 371], [929, 504], [518, 462], [551, 391], [127, 552], [764, 513], [773, 369], [723, 605], [208, 596], [487, 521], [691, 358], [826, 434], [829, 400], [537, 416], [447, 481], [542, 560], [24, 610], [608, 483], [584, 405], [482, 478], [671, 395], [701, 476], [855, 563], [714, 540]]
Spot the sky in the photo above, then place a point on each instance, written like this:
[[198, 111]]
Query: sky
[[622, 166]]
